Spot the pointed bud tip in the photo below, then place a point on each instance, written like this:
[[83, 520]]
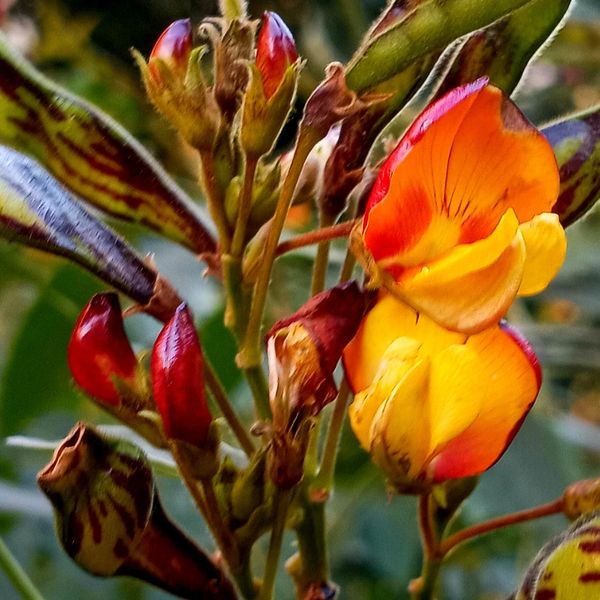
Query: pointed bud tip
[[275, 51], [178, 380], [173, 46], [99, 350]]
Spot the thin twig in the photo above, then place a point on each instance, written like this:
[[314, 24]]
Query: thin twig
[[317, 236]]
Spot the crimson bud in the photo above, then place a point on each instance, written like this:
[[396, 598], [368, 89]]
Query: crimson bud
[[173, 47]]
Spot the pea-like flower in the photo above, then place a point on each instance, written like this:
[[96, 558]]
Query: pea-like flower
[[432, 404], [459, 220]]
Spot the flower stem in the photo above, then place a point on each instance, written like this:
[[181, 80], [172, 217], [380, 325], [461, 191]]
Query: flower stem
[[244, 207], [220, 396], [317, 236], [17, 575], [544, 510], [255, 376], [281, 504], [215, 203], [426, 526], [323, 483], [423, 587], [250, 355], [319, 274]]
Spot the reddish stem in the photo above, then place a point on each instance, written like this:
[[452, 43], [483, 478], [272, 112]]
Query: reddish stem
[[318, 235]]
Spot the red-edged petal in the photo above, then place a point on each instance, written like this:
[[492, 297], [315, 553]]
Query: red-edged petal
[[178, 380], [173, 46], [99, 350], [275, 51]]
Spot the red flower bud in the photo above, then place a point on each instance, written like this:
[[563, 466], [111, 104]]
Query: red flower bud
[[275, 51], [99, 352], [173, 47], [178, 380]]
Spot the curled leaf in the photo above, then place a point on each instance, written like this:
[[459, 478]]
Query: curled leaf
[[576, 144], [92, 155], [37, 211]]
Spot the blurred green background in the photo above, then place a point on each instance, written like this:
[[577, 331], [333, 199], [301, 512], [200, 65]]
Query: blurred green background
[[374, 545]]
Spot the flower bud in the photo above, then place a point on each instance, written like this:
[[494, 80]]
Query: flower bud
[[110, 521], [178, 381], [173, 48], [275, 52], [99, 354], [581, 497]]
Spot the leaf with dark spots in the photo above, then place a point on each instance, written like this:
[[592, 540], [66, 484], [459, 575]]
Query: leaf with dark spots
[[92, 154], [576, 143], [503, 50], [36, 210]]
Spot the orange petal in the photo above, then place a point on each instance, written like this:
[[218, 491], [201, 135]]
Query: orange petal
[[508, 378], [473, 285], [546, 247], [388, 320], [473, 160]]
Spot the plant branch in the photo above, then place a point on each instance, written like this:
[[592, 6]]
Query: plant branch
[[425, 526], [317, 236], [544, 510], [222, 401], [244, 207], [17, 575]]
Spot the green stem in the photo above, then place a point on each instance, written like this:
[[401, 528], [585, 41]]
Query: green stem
[[216, 206], [244, 207], [311, 541], [423, 588], [319, 274], [281, 504], [324, 480], [250, 355], [17, 575], [255, 376], [347, 267], [222, 401], [244, 579]]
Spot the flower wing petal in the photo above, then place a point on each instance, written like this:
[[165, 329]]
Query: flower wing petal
[[546, 247], [508, 378]]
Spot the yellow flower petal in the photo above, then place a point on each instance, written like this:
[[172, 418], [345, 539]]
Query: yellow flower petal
[[454, 400], [507, 379], [473, 285], [546, 247], [398, 359], [388, 320]]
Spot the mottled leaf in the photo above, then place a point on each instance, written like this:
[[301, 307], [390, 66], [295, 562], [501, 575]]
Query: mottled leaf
[[409, 35], [576, 143], [568, 566], [503, 50], [92, 154], [38, 211]]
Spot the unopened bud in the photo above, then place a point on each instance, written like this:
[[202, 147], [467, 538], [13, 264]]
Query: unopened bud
[[99, 354], [178, 381], [275, 52], [581, 497], [173, 48], [110, 521]]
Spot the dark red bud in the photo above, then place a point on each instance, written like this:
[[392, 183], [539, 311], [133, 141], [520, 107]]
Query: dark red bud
[[99, 351], [331, 318], [178, 380], [275, 51], [173, 47]]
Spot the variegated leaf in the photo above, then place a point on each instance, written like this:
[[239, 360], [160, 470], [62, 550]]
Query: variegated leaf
[[37, 211], [92, 154], [576, 143], [503, 50]]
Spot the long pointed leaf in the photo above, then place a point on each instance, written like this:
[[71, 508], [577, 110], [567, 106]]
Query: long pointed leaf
[[38, 211], [503, 50], [430, 27], [91, 154], [576, 143]]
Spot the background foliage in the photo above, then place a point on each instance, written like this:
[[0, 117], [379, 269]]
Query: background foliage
[[85, 46]]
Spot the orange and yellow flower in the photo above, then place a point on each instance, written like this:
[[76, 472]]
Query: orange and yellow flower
[[459, 221], [431, 404]]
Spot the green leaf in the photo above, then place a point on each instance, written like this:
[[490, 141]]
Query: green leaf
[[503, 50], [92, 154], [36, 378], [411, 33], [37, 211], [576, 143]]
